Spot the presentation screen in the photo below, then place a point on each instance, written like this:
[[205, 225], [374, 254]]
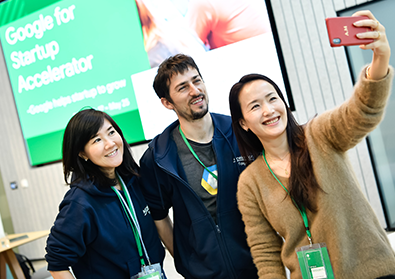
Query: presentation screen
[[63, 56]]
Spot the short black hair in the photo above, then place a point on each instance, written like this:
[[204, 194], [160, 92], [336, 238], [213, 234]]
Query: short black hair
[[80, 129], [177, 64]]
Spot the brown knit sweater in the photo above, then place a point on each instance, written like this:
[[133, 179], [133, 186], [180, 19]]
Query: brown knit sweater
[[357, 245]]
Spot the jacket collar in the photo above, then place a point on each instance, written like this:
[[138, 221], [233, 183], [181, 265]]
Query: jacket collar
[[162, 143], [164, 148]]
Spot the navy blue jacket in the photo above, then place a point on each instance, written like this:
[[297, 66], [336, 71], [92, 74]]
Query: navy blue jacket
[[202, 249], [93, 235]]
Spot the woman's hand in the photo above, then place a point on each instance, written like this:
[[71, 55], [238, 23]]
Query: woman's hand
[[380, 46]]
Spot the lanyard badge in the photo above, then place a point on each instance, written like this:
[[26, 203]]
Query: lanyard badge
[[153, 271], [313, 259]]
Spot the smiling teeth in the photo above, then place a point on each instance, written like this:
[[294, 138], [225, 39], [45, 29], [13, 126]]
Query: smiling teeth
[[271, 122], [197, 101], [112, 153]]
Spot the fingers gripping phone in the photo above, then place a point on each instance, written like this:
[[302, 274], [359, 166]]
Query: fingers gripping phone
[[342, 32]]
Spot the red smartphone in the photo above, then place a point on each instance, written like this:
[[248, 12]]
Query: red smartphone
[[342, 32]]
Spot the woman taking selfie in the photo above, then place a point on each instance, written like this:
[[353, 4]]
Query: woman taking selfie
[[104, 228], [300, 200]]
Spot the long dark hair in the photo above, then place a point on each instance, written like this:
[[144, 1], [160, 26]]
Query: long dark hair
[[302, 181], [80, 129]]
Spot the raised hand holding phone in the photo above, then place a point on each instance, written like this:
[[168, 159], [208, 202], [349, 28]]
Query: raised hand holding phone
[[342, 31], [362, 29], [378, 68]]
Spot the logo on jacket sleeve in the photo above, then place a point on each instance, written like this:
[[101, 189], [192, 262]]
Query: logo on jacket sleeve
[[240, 160], [146, 210]]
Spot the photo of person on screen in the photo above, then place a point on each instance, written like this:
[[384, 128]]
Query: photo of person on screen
[[222, 22], [163, 38]]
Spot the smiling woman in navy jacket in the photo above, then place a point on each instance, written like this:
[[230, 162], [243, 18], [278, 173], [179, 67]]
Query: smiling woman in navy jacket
[[104, 227]]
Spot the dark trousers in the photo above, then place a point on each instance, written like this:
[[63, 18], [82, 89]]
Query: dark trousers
[[387, 277]]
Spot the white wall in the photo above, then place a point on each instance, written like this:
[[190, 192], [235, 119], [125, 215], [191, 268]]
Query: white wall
[[319, 78], [2, 233]]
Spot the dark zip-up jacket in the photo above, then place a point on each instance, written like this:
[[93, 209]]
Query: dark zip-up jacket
[[92, 233], [202, 249]]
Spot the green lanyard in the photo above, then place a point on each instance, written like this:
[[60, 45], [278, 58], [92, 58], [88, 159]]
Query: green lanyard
[[130, 214], [194, 154], [302, 210]]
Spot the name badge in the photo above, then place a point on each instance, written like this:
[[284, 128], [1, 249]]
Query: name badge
[[314, 262], [153, 271]]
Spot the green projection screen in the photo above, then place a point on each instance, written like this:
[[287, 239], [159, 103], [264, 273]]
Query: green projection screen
[[67, 56], [62, 56]]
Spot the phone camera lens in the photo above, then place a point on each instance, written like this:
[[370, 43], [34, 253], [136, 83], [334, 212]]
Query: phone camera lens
[[336, 41]]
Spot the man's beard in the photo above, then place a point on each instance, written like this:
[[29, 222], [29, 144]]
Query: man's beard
[[192, 115], [200, 114]]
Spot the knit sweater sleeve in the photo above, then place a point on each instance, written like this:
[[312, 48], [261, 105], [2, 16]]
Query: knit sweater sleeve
[[345, 126], [264, 242]]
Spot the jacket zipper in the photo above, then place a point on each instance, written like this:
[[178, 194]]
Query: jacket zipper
[[223, 249]]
